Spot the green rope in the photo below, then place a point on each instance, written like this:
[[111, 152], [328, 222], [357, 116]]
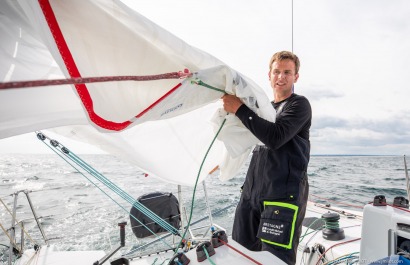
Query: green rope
[[207, 256], [135, 203], [309, 227], [196, 183], [327, 224], [332, 224], [200, 83]]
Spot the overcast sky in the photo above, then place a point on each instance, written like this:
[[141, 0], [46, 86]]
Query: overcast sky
[[354, 60]]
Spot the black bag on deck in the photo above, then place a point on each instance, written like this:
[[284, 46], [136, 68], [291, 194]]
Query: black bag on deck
[[165, 205]]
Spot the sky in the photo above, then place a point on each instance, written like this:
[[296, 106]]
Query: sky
[[354, 61]]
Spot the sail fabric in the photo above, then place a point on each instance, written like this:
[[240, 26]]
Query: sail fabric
[[25, 56], [165, 127]]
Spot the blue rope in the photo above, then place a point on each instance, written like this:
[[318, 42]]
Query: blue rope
[[68, 162], [136, 204]]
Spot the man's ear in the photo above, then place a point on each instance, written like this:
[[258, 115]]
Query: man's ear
[[269, 75], [296, 77]]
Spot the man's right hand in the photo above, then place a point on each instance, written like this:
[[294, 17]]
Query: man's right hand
[[231, 103]]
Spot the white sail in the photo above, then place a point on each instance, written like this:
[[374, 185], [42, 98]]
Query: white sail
[[165, 126]]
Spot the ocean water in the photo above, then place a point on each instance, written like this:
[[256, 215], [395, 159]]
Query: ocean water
[[76, 215]]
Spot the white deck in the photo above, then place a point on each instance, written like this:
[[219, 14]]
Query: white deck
[[48, 256], [223, 255], [350, 221]]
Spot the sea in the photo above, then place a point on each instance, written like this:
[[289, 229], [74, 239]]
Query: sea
[[77, 213]]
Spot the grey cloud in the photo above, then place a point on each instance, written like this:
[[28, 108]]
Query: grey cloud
[[399, 124], [362, 136], [328, 122], [319, 93]]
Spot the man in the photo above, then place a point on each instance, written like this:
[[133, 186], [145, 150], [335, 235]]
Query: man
[[273, 202]]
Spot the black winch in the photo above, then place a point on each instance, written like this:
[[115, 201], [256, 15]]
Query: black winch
[[332, 231]]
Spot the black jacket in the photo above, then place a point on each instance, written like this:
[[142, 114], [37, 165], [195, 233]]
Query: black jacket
[[282, 163]]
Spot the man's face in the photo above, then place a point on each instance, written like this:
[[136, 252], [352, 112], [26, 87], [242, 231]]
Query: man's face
[[282, 77]]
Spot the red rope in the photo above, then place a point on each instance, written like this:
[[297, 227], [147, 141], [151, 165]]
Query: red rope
[[338, 244], [337, 202], [394, 206], [243, 254], [399, 208], [85, 80]]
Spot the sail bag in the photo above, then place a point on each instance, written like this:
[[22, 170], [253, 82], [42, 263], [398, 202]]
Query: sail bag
[[165, 205]]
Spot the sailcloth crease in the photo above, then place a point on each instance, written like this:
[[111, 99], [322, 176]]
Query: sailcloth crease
[[165, 127]]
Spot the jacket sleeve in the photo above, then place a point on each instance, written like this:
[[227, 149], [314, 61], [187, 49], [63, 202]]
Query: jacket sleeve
[[289, 122]]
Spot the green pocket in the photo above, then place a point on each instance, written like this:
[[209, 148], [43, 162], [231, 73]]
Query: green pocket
[[277, 225]]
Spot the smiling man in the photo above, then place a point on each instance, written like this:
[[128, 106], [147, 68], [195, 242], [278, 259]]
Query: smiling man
[[274, 196]]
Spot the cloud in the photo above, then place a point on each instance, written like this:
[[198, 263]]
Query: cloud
[[328, 122], [333, 135], [318, 92]]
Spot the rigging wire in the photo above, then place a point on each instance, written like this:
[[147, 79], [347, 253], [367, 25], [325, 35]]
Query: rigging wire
[[123, 194], [91, 170], [133, 250], [60, 155]]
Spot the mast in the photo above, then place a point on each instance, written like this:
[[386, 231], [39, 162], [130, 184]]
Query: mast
[[292, 26]]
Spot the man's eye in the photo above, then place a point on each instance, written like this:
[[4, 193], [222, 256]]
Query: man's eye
[[286, 73]]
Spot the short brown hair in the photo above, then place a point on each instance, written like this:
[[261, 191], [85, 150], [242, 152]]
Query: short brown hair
[[285, 55]]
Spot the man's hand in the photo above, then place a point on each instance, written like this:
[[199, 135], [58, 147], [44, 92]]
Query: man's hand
[[231, 103]]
